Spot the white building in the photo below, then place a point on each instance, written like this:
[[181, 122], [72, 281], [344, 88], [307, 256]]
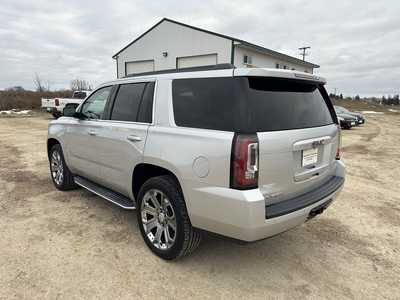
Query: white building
[[170, 44]]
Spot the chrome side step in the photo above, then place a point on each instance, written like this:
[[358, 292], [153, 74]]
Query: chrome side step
[[105, 193]]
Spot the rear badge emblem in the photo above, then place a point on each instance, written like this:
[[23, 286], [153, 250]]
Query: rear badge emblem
[[317, 143]]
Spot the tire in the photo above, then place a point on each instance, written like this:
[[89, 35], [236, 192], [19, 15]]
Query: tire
[[185, 238], [59, 172], [56, 115]]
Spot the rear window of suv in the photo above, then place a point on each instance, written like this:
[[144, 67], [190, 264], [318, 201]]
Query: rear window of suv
[[281, 104], [250, 104]]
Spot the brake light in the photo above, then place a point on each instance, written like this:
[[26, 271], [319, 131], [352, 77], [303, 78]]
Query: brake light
[[244, 161], [339, 148], [57, 102]]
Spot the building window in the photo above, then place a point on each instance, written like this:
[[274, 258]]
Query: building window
[[247, 60], [277, 66], [285, 67]]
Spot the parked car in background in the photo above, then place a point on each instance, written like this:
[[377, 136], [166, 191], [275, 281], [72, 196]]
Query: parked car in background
[[360, 119], [55, 106], [242, 152], [346, 121]]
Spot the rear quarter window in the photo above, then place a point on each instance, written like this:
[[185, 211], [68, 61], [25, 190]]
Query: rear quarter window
[[204, 103]]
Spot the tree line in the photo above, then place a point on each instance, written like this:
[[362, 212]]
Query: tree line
[[384, 100], [42, 85]]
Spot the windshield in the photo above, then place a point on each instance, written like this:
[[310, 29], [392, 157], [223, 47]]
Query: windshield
[[249, 104], [341, 110]]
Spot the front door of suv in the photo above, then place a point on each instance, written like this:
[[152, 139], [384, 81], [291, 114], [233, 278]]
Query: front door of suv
[[123, 135], [82, 138]]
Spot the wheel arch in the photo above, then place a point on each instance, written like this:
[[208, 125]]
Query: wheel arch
[[145, 170], [50, 143]]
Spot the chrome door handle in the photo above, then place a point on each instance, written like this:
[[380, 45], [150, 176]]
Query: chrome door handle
[[134, 138], [92, 132]]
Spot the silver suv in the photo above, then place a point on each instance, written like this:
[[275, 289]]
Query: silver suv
[[244, 153]]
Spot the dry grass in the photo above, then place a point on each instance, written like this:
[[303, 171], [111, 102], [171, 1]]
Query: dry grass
[[27, 99], [354, 105], [75, 245]]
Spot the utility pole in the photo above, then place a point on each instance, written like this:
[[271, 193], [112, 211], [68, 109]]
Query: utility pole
[[303, 49]]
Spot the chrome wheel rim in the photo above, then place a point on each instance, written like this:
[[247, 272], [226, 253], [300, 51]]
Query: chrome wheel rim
[[158, 219], [56, 167]]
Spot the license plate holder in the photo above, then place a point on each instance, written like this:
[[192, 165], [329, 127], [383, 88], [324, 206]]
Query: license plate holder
[[309, 157]]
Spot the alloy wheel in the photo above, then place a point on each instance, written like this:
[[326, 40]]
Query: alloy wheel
[[158, 219], [57, 169]]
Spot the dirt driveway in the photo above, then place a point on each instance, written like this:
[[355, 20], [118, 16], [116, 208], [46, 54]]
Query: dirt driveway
[[74, 245]]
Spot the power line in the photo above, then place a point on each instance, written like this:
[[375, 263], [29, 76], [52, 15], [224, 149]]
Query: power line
[[303, 49]]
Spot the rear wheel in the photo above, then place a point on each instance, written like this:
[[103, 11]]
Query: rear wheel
[[60, 174], [163, 219]]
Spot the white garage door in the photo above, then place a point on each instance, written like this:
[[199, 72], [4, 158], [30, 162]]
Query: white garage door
[[139, 66], [196, 61]]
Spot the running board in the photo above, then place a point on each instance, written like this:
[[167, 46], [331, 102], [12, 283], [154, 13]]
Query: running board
[[105, 193]]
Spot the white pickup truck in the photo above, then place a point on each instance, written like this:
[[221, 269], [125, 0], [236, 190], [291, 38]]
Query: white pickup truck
[[55, 106]]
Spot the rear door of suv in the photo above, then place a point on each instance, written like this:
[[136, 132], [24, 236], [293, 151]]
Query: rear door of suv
[[123, 134]]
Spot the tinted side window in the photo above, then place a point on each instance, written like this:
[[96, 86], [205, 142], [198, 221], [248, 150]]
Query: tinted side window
[[204, 103], [93, 107], [127, 102], [146, 108]]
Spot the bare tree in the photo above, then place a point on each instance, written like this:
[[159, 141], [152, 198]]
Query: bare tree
[[39, 83], [47, 85], [80, 85]]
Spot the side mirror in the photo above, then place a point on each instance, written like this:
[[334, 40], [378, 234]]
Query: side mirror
[[70, 110], [79, 115]]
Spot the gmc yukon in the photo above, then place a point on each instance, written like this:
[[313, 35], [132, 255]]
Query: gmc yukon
[[245, 153]]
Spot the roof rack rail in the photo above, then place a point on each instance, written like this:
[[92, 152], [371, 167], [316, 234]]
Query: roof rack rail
[[181, 70]]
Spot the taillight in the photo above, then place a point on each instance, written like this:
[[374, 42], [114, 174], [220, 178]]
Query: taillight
[[339, 147], [57, 102], [244, 161]]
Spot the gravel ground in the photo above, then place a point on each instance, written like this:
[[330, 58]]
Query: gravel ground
[[74, 245]]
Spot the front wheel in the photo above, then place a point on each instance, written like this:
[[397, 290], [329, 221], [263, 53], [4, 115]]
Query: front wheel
[[56, 115], [163, 219], [60, 174]]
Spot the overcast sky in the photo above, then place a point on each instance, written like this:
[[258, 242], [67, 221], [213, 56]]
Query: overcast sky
[[357, 43]]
